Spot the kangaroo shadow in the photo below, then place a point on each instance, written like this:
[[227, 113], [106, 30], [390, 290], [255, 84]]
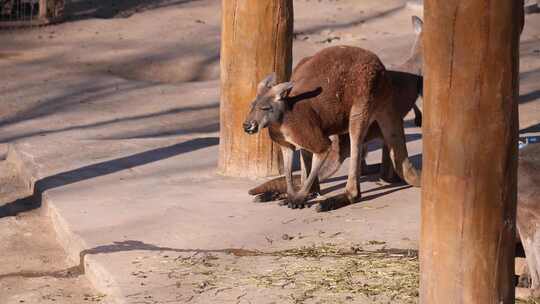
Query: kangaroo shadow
[[370, 174], [34, 201], [340, 200]]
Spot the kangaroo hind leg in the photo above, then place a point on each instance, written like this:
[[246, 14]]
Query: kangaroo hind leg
[[358, 126], [391, 126], [306, 158], [299, 199]]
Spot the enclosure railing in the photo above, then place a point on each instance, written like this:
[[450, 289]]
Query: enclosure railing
[[22, 13]]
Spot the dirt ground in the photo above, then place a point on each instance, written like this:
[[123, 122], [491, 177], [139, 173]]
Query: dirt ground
[[152, 47]]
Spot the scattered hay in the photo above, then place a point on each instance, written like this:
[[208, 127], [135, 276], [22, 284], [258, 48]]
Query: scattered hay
[[308, 273], [529, 301], [327, 269], [200, 268]]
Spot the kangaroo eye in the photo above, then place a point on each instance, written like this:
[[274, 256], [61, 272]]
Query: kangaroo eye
[[267, 108]]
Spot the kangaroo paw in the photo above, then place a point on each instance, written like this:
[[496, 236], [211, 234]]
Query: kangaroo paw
[[299, 201], [294, 203]]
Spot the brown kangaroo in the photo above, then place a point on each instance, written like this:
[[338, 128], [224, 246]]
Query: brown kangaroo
[[528, 214], [339, 90], [407, 82]]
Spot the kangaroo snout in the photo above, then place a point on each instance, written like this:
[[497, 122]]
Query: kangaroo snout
[[251, 127]]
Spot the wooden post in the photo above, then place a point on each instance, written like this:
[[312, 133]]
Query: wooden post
[[256, 40], [470, 151], [43, 9]]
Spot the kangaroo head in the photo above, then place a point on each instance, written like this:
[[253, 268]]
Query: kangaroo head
[[418, 47], [415, 61], [269, 104]]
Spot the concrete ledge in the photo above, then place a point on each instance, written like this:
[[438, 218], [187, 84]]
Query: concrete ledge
[[74, 246], [72, 243], [113, 201]]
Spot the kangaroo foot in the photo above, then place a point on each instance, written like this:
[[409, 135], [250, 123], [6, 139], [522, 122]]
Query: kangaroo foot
[[299, 201], [296, 202], [333, 203], [269, 196]]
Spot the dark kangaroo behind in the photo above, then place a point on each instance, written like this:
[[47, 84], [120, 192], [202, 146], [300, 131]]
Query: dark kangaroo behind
[[407, 83], [528, 214]]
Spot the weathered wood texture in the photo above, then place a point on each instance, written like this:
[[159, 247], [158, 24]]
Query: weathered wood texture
[[256, 40], [470, 135]]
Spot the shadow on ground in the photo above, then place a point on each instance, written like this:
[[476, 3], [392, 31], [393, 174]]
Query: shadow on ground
[[100, 169], [83, 94], [344, 25], [123, 246], [340, 200], [209, 128], [531, 129], [84, 9]]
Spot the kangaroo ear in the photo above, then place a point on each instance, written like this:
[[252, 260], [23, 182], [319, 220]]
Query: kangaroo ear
[[266, 84], [282, 90], [417, 24]]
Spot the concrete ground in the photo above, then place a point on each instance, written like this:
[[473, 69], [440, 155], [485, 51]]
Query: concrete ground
[[34, 265], [112, 126]]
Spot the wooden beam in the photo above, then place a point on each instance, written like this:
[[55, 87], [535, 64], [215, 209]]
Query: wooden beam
[[470, 151], [256, 40]]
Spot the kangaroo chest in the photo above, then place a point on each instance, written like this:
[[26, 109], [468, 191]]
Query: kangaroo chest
[[308, 135], [284, 136]]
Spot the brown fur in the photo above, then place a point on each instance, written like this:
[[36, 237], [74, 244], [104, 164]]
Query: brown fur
[[354, 90], [528, 211], [345, 75], [276, 185], [407, 86], [407, 94]]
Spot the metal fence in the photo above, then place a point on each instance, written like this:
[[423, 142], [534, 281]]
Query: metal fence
[[16, 13]]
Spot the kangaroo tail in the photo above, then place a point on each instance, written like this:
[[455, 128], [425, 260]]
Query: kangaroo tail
[[278, 184]]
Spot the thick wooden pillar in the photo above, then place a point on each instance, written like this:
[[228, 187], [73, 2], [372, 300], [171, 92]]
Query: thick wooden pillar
[[256, 40], [470, 151]]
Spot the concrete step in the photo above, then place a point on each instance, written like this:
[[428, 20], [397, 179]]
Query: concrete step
[[111, 200]]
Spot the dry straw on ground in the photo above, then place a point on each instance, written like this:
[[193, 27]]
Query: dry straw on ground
[[309, 273]]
